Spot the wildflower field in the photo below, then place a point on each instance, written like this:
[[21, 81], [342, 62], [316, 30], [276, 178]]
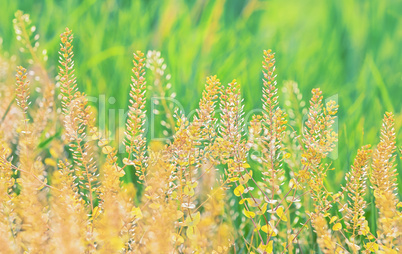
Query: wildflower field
[[179, 126]]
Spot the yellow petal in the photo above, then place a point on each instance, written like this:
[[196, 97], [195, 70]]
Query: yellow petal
[[95, 212], [121, 173], [107, 149], [254, 202], [280, 214], [102, 142], [263, 209], [192, 184], [233, 179], [50, 162], [244, 179], [116, 242], [190, 232], [371, 246], [126, 161], [248, 214], [337, 227], [333, 219], [268, 229], [239, 190], [267, 248], [136, 212], [194, 219], [188, 191], [176, 238]]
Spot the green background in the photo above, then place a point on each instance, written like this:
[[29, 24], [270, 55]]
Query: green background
[[351, 49]]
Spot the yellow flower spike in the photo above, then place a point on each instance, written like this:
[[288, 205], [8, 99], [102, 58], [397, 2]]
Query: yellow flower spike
[[280, 213], [239, 190]]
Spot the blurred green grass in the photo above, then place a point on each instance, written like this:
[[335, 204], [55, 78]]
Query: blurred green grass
[[349, 48]]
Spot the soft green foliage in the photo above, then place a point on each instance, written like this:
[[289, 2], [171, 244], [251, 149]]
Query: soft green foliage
[[349, 48]]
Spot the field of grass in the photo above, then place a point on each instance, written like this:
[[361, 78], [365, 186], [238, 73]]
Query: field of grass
[[351, 49]]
